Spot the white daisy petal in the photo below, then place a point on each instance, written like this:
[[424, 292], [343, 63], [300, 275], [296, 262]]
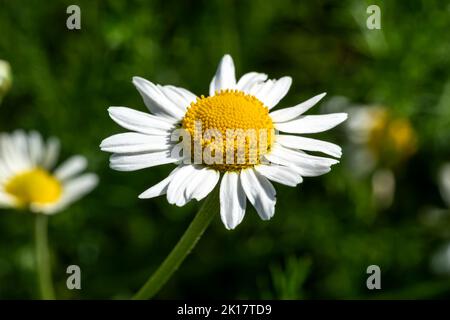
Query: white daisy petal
[[249, 79], [180, 96], [6, 201], [313, 172], [13, 158], [306, 165], [5, 172], [309, 144], [140, 121], [189, 96], [288, 114], [232, 200], [284, 175], [20, 141], [51, 153], [131, 142], [260, 192], [304, 171], [77, 187], [262, 87], [272, 91], [160, 188], [157, 101], [177, 96], [36, 147], [312, 124], [225, 76], [71, 167], [202, 184], [132, 162], [444, 182], [300, 156], [176, 192]]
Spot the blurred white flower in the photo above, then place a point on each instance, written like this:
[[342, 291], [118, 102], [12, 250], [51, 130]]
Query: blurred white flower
[[27, 178], [383, 186], [440, 261], [387, 139], [5, 78], [380, 142], [444, 183]]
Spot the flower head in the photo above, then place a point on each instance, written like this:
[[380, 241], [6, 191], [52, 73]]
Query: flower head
[[230, 135], [388, 140], [26, 177]]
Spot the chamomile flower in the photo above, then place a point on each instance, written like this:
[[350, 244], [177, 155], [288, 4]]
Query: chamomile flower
[[383, 138], [232, 106], [27, 178], [381, 143]]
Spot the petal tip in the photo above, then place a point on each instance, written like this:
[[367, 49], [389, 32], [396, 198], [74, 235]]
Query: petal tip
[[227, 56], [135, 79], [287, 78]]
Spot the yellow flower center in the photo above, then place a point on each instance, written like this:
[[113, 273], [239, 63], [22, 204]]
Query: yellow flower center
[[34, 186], [391, 137], [229, 131]]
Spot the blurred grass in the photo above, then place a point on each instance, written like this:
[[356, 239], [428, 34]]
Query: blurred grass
[[64, 81]]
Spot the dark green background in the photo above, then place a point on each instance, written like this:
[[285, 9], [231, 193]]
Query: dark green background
[[325, 232]]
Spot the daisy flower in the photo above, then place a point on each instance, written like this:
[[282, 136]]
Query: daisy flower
[[236, 106], [27, 178], [381, 143], [381, 138]]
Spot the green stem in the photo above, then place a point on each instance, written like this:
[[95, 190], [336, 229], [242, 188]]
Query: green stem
[[43, 258], [187, 242]]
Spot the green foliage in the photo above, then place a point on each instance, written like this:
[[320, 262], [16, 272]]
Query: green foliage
[[325, 232], [288, 282]]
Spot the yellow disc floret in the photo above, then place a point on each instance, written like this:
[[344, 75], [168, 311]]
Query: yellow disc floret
[[34, 186], [391, 138], [233, 127]]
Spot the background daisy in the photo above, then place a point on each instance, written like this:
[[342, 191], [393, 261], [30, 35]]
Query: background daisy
[[29, 179]]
